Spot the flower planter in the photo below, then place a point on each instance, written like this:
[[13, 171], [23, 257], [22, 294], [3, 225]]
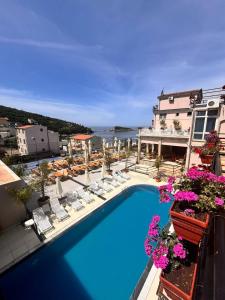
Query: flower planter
[[176, 293], [206, 159], [191, 229]]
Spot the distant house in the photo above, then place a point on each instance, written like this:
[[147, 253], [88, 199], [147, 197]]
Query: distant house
[[33, 139], [6, 130]]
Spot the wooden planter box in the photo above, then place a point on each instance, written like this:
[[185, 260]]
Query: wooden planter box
[[175, 293], [187, 227]]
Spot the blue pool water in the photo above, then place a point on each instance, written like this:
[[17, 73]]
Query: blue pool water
[[101, 258]]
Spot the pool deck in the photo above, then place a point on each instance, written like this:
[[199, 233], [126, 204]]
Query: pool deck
[[16, 243]]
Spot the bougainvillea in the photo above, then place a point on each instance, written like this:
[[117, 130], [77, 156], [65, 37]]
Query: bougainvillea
[[169, 251], [179, 250], [186, 196], [219, 201]]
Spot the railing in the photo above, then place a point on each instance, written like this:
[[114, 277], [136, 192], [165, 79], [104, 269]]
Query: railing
[[165, 133]]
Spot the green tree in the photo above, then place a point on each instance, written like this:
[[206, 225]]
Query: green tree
[[69, 160], [108, 159], [20, 170], [21, 194], [40, 182]]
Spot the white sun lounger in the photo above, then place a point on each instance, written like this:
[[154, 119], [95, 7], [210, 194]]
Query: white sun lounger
[[96, 189], [41, 220], [58, 209], [74, 202], [112, 181], [119, 178], [123, 175], [87, 197], [105, 186]]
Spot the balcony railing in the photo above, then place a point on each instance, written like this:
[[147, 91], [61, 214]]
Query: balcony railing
[[164, 133]]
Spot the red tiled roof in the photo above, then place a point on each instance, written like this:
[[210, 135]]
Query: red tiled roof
[[82, 137], [25, 126]]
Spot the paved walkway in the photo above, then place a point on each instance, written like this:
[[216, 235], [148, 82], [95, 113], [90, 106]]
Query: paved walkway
[[16, 243]]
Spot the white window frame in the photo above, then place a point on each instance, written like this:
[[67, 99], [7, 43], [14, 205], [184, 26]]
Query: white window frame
[[206, 116]]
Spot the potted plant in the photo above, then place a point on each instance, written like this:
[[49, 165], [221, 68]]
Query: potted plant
[[41, 181], [177, 125], [108, 161], [157, 165], [176, 258], [211, 146], [197, 193], [163, 124]]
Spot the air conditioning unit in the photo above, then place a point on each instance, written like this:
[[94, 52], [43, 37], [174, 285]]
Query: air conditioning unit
[[213, 103], [171, 99]]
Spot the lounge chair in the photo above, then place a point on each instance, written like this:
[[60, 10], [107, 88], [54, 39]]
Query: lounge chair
[[58, 209], [96, 189], [41, 221], [119, 178], [85, 196], [123, 175], [105, 186], [74, 202], [112, 181]]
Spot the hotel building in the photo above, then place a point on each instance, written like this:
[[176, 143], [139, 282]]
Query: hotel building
[[181, 121], [36, 139]]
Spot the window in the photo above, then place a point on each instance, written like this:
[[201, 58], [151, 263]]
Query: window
[[205, 122], [41, 129], [189, 113], [42, 140], [177, 114], [162, 116], [24, 142]]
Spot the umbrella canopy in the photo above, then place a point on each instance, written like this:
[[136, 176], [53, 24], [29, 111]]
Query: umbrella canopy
[[59, 189]]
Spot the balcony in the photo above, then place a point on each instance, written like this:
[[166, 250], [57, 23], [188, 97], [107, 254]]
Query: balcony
[[146, 132]]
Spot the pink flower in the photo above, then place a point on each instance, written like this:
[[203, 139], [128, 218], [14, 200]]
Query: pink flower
[[148, 247], [156, 219], [180, 238], [171, 179], [189, 212], [185, 196], [219, 201], [159, 256], [179, 251]]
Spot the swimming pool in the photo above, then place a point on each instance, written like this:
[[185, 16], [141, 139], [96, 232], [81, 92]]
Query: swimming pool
[[100, 258]]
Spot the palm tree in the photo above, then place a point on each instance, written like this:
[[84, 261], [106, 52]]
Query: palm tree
[[40, 182]]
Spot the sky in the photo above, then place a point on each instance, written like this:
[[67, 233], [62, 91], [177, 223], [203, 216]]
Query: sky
[[104, 62]]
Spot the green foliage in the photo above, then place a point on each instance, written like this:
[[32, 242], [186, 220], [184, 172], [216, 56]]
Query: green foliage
[[8, 160], [20, 170], [108, 159], [39, 183], [177, 125], [163, 124], [22, 194], [69, 160], [63, 127]]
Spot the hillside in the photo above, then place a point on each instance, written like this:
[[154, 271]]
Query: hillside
[[63, 127]]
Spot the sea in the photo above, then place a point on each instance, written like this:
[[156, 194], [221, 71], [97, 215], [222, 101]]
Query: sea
[[108, 134]]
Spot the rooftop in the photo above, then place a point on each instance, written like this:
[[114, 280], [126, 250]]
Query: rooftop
[[24, 126], [6, 174], [82, 137], [180, 94]]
